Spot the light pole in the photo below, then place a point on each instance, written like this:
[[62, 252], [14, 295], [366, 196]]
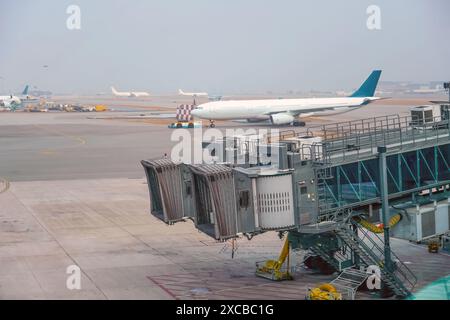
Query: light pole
[[385, 205]]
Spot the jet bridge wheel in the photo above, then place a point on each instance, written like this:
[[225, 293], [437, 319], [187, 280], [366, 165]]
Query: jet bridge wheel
[[297, 123]]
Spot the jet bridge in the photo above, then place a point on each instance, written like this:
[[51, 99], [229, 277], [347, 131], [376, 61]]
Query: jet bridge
[[320, 185]]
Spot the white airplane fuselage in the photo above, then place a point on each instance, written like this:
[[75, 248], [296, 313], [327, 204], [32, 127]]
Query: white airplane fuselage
[[285, 111], [263, 109], [10, 101], [132, 94], [192, 94]]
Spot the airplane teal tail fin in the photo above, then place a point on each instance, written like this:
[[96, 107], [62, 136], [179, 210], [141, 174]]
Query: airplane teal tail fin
[[369, 86], [25, 91]]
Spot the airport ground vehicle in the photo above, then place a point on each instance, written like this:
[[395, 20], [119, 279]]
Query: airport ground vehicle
[[184, 124]]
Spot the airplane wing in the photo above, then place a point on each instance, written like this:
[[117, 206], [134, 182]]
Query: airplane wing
[[295, 112]]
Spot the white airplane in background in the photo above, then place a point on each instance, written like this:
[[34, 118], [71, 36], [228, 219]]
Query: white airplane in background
[[192, 94], [437, 89], [285, 111], [25, 97], [132, 94]]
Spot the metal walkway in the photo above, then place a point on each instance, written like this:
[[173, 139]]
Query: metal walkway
[[346, 167]]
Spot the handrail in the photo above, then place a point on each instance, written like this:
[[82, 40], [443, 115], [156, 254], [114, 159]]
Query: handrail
[[354, 141], [399, 265], [401, 271]]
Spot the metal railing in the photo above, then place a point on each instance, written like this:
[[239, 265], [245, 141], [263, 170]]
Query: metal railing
[[375, 245], [344, 141]]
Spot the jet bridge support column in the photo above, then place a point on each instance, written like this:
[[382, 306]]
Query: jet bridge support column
[[385, 205]]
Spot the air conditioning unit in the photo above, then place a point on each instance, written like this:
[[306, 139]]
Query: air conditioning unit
[[424, 221]]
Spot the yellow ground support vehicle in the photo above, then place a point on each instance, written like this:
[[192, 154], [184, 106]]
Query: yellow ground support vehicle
[[100, 108], [433, 246], [378, 229], [275, 269], [324, 292]]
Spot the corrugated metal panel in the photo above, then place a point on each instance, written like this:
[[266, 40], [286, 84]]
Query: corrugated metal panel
[[442, 216], [428, 224], [215, 200], [165, 188], [449, 216]]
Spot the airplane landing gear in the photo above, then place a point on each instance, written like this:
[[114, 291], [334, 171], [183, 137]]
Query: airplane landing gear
[[211, 124], [297, 123]]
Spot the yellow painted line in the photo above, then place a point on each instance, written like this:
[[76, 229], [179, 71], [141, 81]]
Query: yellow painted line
[[48, 152], [6, 185], [78, 139]]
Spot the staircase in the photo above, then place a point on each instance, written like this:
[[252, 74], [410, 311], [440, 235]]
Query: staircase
[[337, 259], [370, 250], [318, 250], [324, 200]]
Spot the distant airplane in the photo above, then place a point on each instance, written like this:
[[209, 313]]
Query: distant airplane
[[25, 97], [438, 89], [10, 102], [131, 94], [285, 111], [192, 94]]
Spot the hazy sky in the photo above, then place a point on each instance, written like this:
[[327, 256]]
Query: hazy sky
[[219, 46]]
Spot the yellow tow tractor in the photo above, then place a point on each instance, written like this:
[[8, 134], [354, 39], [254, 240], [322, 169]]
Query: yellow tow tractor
[[275, 269], [433, 246]]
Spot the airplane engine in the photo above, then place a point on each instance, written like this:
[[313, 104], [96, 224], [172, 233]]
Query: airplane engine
[[282, 118]]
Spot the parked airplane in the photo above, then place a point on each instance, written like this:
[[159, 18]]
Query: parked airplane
[[131, 94], [10, 102], [25, 97], [437, 89], [192, 94], [285, 111]]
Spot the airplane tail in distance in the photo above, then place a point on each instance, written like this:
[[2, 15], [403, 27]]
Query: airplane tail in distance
[[180, 91], [369, 86], [113, 90], [25, 91]]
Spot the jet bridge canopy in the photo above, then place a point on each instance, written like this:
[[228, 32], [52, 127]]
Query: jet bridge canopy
[[165, 188], [214, 200]]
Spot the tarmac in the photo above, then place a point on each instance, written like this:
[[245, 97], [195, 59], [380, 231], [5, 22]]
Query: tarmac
[[72, 192]]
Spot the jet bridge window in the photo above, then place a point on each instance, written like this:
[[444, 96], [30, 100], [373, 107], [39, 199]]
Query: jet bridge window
[[244, 199], [303, 190]]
